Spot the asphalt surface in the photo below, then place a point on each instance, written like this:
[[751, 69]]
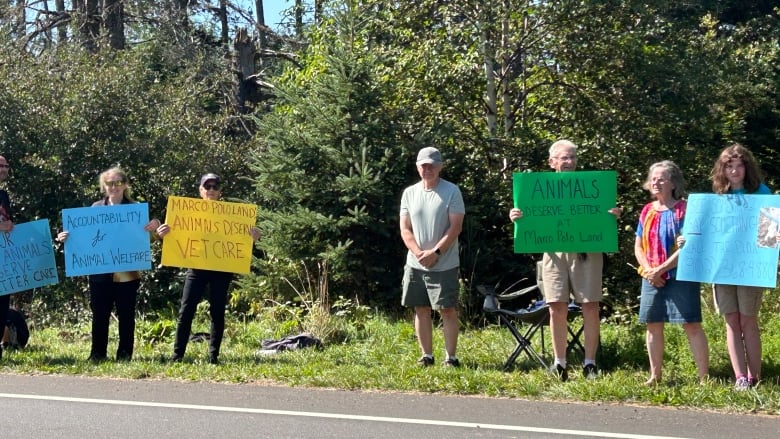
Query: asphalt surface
[[64, 407]]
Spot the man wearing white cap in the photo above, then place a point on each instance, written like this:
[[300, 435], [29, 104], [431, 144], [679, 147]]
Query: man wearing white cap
[[432, 213]]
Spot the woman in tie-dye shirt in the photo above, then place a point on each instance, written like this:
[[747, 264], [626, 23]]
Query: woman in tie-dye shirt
[[664, 298]]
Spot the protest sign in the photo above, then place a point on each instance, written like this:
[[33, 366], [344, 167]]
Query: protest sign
[[730, 239], [209, 235], [27, 257], [565, 211], [106, 239]]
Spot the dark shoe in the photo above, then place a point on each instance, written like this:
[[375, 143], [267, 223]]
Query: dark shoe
[[590, 372], [451, 362], [213, 359], [97, 358], [124, 356], [176, 359], [561, 372], [426, 361]]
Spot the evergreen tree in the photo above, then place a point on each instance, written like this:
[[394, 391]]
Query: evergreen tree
[[329, 168]]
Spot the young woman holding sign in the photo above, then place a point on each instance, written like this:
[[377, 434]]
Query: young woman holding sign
[[736, 172], [109, 289], [195, 284]]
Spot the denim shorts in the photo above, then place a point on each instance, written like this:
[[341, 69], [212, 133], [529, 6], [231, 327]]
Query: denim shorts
[[678, 301]]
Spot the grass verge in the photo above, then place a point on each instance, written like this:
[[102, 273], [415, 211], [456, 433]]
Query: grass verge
[[380, 354]]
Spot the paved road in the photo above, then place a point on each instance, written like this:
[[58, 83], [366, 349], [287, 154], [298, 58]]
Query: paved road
[[65, 407]]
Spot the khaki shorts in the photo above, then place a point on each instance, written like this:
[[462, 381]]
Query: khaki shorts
[[732, 298], [435, 289], [568, 273]]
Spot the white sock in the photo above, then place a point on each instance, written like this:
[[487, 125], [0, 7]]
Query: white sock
[[561, 362]]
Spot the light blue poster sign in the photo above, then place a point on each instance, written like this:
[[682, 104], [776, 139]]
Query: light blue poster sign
[[106, 239], [731, 239], [27, 257]]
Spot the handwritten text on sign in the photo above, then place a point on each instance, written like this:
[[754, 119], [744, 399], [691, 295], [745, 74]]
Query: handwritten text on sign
[[565, 211], [27, 258], [209, 235], [730, 239], [106, 239]]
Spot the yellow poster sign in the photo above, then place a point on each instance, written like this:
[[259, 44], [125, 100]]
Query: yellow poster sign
[[209, 235]]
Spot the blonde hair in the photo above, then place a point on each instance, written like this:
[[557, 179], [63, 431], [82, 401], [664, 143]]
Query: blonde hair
[[122, 174]]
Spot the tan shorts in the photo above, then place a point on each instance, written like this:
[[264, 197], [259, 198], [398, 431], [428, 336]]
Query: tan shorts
[[732, 298], [569, 273]]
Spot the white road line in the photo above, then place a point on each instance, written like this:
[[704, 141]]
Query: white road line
[[600, 434]]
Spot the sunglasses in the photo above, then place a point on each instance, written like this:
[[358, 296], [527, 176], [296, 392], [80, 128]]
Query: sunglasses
[[211, 186], [115, 183], [5, 166]]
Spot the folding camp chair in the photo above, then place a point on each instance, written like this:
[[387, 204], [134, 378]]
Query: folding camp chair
[[532, 319]]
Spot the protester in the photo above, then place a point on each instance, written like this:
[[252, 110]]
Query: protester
[[564, 274], [737, 172], [195, 284], [113, 289], [432, 212], [6, 225], [664, 298]]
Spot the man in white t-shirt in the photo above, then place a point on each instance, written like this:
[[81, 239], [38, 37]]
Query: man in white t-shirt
[[432, 213]]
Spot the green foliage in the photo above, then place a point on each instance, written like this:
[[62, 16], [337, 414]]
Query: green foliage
[[329, 167], [490, 84], [67, 116]]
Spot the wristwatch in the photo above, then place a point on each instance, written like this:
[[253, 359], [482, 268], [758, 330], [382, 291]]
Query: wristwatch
[[437, 251]]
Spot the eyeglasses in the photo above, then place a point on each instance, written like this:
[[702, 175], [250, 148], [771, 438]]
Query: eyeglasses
[[115, 183], [5, 166], [211, 186], [567, 158]]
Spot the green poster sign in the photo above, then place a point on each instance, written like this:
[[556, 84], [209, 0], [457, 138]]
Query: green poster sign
[[565, 211]]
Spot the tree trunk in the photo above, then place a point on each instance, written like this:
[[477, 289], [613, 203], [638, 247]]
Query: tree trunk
[[113, 21], [87, 23], [62, 29], [223, 21], [506, 78], [244, 68], [261, 26], [488, 58], [21, 25], [299, 18], [318, 11]]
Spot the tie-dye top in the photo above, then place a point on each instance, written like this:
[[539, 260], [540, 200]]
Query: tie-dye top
[[658, 231]]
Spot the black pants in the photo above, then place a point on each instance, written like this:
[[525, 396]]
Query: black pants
[[195, 285], [5, 301], [102, 298]]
